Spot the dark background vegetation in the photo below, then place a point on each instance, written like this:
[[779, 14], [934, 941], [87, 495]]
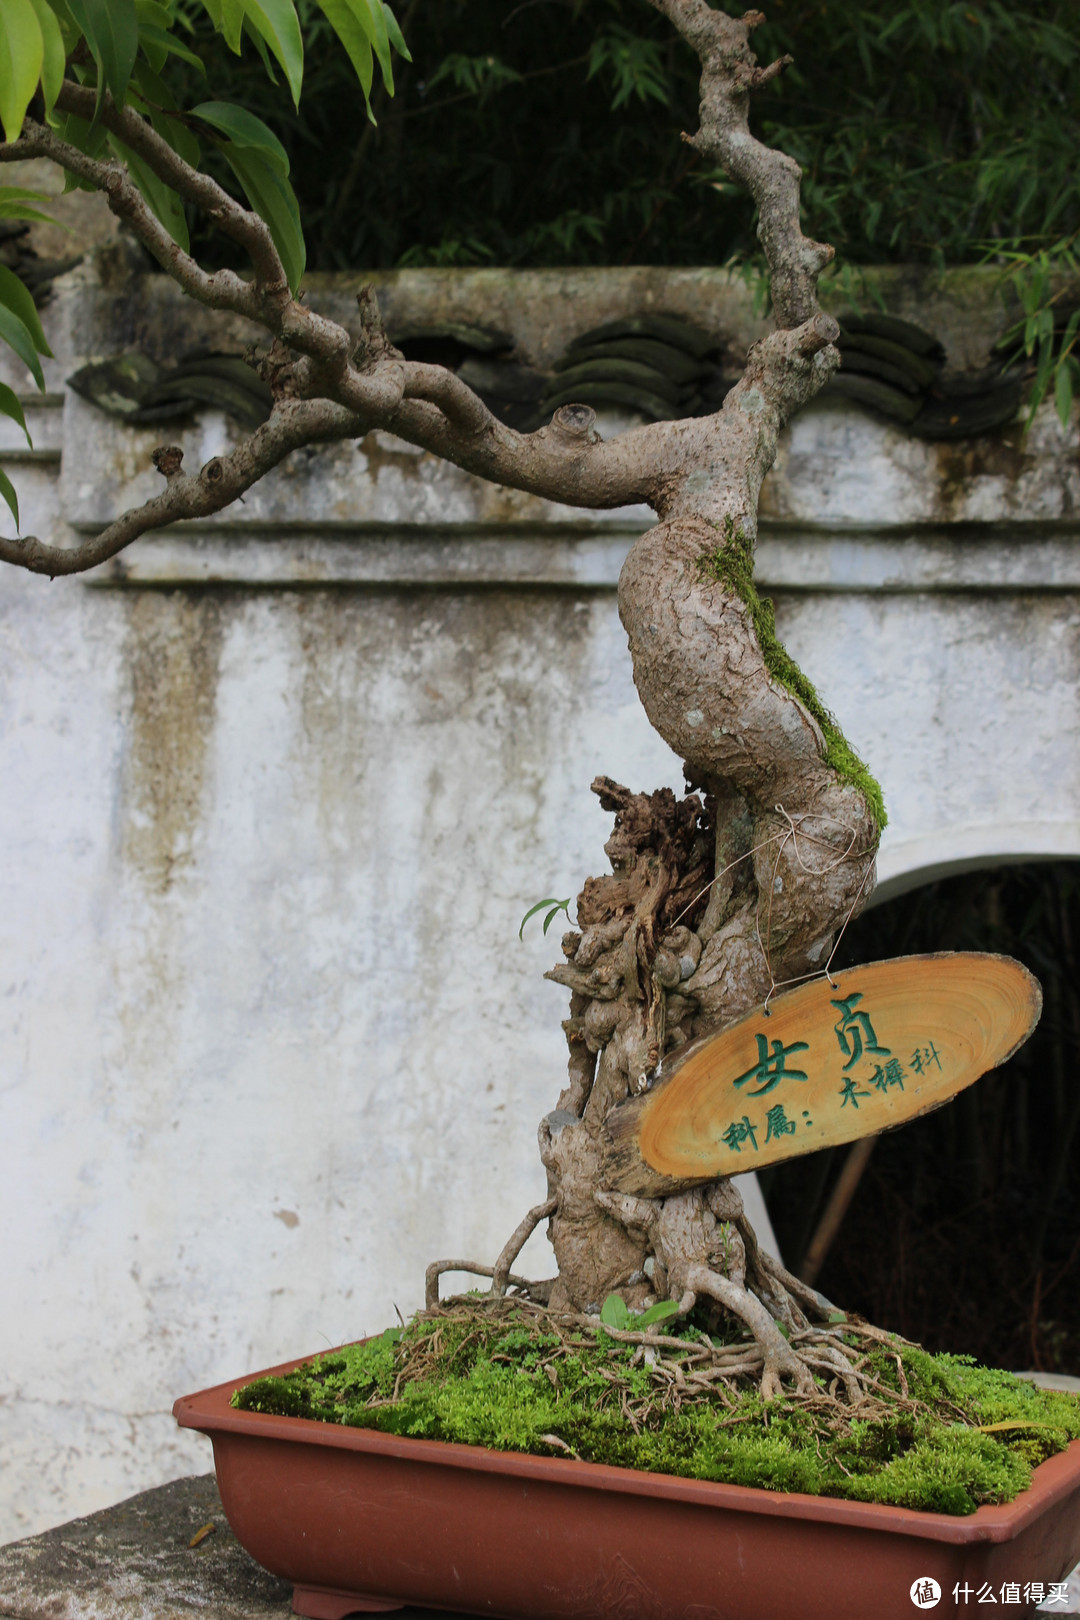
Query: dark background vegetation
[[547, 132], [964, 1232]]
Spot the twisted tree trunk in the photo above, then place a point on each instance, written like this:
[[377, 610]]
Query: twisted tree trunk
[[716, 899]]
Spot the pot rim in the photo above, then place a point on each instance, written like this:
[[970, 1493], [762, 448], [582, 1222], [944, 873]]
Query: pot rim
[[208, 1411]]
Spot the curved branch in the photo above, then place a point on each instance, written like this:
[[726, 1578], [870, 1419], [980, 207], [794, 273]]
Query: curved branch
[[241, 224], [222, 289], [729, 71], [292, 423]]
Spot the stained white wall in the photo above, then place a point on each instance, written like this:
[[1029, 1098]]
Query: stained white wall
[[275, 793]]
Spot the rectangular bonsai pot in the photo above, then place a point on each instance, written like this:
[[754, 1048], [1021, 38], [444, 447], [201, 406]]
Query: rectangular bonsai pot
[[360, 1521]]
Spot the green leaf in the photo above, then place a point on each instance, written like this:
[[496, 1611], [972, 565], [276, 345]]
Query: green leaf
[[559, 905], [158, 46], [837, 1316], [7, 490], [232, 23], [111, 28], [270, 194], [1063, 393], [243, 129], [14, 206], [163, 201], [277, 22], [11, 406], [615, 1313], [660, 1312], [182, 140], [397, 38], [15, 335], [17, 298], [380, 42], [54, 54], [351, 23], [22, 53]]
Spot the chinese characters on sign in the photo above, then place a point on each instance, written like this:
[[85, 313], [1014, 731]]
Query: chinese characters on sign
[[870, 1069], [828, 1062]]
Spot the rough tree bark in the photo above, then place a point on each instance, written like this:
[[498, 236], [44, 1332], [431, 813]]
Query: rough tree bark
[[714, 899], [719, 897]]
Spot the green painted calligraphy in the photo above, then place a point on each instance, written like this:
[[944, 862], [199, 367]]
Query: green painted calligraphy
[[741, 1131], [891, 1075], [849, 1094], [772, 1068], [777, 1123], [921, 1060], [855, 1032]]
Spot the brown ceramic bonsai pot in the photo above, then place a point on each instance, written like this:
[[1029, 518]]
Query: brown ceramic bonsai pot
[[361, 1522]]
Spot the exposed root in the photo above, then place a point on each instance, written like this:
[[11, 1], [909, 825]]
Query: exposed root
[[828, 1363], [538, 1292]]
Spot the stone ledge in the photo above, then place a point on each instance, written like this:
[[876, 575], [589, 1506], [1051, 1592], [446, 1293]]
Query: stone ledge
[[135, 1561], [866, 562]]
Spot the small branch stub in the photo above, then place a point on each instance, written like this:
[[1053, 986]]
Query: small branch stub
[[168, 459]]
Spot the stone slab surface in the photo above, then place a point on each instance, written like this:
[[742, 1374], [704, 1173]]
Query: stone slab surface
[[135, 1561]]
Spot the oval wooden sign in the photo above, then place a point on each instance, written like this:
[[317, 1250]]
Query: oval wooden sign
[[829, 1063]]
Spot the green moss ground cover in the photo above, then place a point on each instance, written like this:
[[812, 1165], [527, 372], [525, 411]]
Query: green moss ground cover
[[937, 1433]]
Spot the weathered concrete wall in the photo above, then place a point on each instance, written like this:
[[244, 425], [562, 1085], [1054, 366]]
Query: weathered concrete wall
[[277, 791]]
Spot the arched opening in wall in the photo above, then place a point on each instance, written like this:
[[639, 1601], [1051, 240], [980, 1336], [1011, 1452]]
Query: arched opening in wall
[[963, 1230]]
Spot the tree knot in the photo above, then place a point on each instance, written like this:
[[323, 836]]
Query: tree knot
[[167, 458]]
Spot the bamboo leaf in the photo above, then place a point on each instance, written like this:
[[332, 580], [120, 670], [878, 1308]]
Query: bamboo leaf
[[7, 490], [1063, 392], [17, 298], [15, 335], [1015, 1423], [10, 406], [269, 193], [243, 129], [22, 52]]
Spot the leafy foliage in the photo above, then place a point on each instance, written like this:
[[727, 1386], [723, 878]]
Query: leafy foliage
[[1048, 332], [955, 1436], [549, 133], [555, 907], [125, 49]]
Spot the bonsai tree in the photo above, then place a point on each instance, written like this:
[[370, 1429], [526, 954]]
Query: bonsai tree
[[715, 899]]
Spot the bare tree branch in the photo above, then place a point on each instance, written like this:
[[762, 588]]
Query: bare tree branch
[[223, 289], [729, 71], [292, 423], [232, 219]]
